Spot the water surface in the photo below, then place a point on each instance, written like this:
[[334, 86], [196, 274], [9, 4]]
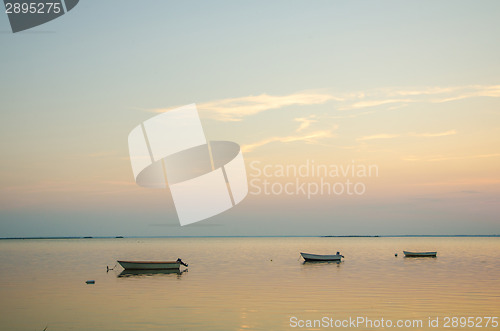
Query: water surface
[[242, 283]]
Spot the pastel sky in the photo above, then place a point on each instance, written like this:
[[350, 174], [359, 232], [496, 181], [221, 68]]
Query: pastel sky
[[411, 87]]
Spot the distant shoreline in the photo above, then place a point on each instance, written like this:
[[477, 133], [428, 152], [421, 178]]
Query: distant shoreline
[[285, 236]]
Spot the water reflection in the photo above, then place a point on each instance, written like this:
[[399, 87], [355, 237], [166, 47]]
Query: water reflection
[[146, 273], [420, 257], [321, 262]]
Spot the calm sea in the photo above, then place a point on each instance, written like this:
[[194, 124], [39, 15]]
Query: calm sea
[[248, 283]]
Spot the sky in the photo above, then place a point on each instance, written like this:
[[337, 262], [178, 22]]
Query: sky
[[410, 88]]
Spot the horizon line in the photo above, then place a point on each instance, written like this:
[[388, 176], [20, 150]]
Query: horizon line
[[254, 236]]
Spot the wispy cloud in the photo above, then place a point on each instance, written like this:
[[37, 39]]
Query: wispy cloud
[[310, 138], [373, 103], [435, 90], [390, 136], [462, 182], [400, 97], [436, 158], [305, 122], [437, 134], [378, 136], [473, 92], [411, 158], [234, 109], [477, 156], [346, 115]]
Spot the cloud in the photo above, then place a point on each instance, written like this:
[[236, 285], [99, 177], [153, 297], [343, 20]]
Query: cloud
[[461, 182], [411, 158], [479, 156], [352, 115], [438, 134], [234, 109], [310, 137], [373, 103], [421, 91], [390, 136], [449, 157], [473, 92], [305, 122], [378, 136], [401, 97]]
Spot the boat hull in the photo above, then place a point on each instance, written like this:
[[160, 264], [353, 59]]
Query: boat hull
[[150, 265], [147, 273], [315, 257], [420, 254]]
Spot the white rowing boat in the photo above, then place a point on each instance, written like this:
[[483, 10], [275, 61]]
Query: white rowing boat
[[315, 257], [420, 254], [151, 265]]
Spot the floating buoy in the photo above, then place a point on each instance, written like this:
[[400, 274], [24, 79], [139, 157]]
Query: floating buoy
[[90, 282]]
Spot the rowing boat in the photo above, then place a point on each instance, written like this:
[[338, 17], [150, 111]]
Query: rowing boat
[[151, 265], [315, 257], [420, 254]]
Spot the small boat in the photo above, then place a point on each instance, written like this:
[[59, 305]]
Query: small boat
[[315, 257], [420, 254], [151, 265]]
